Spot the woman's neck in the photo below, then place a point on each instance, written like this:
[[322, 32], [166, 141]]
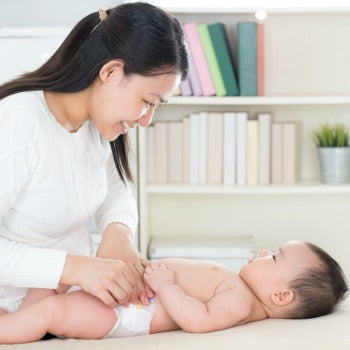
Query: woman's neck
[[69, 109]]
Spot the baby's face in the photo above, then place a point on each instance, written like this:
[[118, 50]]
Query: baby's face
[[269, 272]]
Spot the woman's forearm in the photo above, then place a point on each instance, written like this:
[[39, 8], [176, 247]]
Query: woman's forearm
[[115, 240], [73, 267]]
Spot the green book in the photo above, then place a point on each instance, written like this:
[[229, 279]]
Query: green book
[[222, 52], [212, 61], [247, 58]]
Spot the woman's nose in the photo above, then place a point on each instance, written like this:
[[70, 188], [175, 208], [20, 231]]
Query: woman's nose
[[146, 120]]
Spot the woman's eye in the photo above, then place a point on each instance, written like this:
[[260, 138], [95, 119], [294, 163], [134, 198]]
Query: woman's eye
[[149, 104], [274, 257]]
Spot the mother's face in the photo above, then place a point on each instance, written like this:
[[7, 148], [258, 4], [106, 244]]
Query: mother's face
[[117, 102]]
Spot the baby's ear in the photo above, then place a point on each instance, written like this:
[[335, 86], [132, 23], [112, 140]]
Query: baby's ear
[[282, 297]]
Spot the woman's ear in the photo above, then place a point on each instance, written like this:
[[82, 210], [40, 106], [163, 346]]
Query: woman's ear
[[113, 68], [283, 297]]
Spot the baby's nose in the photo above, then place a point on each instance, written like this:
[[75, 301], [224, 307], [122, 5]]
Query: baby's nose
[[264, 252]]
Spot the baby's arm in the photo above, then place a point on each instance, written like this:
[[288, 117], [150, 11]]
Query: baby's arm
[[224, 310]]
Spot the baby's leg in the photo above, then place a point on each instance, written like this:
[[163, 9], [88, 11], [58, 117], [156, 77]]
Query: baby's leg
[[74, 315], [35, 294]]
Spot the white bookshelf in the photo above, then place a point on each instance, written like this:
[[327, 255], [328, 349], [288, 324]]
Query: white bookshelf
[[299, 188], [307, 78], [260, 101]]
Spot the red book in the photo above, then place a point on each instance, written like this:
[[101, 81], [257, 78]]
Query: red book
[[260, 57]]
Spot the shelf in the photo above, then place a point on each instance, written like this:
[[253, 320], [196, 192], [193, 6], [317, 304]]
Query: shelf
[[262, 101], [252, 10], [302, 188]]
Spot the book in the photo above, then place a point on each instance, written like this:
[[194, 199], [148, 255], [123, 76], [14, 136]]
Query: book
[[186, 150], [194, 148], [289, 155], [264, 147], [241, 145], [202, 146], [193, 78], [185, 87], [212, 60], [224, 58], [247, 58], [229, 149], [197, 54], [276, 153], [161, 152], [174, 152], [260, 59], [252, 152], [215, 138], [150, 155]]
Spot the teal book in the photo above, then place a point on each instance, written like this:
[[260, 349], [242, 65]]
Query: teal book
[[247, 58], [213, 64], [222, 52]]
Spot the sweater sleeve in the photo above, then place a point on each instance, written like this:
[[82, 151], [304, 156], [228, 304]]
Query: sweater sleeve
[[21, 265], [119, 204]]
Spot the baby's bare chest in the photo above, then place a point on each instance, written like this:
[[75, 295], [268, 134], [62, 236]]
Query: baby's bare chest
[[202, 279]]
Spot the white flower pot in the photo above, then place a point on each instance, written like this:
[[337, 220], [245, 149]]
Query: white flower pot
[[334, 164]]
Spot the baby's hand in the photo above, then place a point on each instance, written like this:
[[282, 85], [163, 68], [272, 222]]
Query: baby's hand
[[158, 275]]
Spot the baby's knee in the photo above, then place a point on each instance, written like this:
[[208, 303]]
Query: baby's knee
[[54, 310]]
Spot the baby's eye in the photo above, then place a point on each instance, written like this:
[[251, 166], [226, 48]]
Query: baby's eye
[[274, 257]]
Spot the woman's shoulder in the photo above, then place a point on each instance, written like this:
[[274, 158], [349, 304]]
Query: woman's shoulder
[[19, 117]]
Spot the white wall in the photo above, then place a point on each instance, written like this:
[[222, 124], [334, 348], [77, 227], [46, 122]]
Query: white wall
[[52, 13]]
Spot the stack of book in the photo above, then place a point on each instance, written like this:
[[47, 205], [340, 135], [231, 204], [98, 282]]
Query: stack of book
[[231, 251], [223, 148], [212, 70]]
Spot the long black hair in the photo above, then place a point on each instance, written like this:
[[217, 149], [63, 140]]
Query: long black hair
[[148, 39]]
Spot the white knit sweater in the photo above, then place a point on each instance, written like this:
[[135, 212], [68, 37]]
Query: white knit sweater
[[51, 182]]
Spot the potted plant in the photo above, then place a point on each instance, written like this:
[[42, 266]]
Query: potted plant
[[333, 153]]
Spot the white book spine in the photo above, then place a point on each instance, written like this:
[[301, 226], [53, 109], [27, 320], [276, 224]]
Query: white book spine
[[215, 139], [203, 129], [174, 152], [264, 147], [276, 153], [241, 147], [186, 150], [150, 155], [229, 144], [194, 148], [161, 167], [289, 157], [252, 152]]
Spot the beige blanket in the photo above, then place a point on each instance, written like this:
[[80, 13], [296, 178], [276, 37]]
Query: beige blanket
[[323, 333]]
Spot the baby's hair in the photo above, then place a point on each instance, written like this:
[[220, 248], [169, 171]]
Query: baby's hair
[[320, 289]]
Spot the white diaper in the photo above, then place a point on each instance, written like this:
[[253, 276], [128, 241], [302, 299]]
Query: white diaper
[[132, 320]]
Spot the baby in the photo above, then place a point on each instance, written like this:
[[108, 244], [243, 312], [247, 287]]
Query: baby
[[298, 281]]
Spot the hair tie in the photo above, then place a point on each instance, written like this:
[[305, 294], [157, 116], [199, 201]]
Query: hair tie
[[102, 14]]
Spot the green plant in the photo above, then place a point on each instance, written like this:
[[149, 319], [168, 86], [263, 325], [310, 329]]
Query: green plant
[[331, 136]]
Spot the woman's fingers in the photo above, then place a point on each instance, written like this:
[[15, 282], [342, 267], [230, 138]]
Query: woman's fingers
[[119, 290]]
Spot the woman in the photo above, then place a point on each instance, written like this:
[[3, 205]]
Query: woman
[[63, 154]]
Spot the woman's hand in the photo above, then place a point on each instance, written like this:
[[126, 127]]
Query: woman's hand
[[107, 279], [116, 244]]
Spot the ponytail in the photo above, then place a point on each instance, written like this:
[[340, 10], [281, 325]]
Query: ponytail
[[149, 41]]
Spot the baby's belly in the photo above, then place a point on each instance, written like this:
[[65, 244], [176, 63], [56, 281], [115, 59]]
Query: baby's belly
[[161, 321]]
